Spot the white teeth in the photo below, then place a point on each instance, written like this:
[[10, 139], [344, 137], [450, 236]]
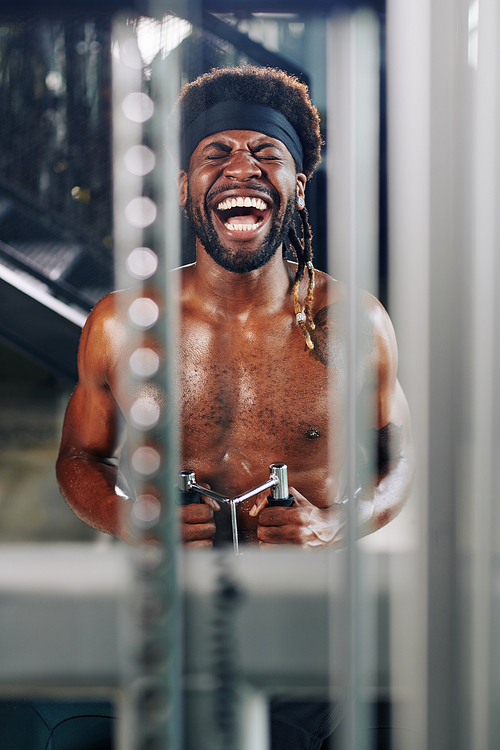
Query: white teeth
[[242, 202], [242, 227]]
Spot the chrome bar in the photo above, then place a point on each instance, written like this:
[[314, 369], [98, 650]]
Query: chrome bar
[[187, 482], [272, 482], [203, 490], [280, 489], [278, 482], [234, 525]]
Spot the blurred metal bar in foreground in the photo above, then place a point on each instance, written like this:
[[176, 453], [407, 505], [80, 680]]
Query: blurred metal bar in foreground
[[408, 95], [443, 131], [353, 130], [485, 376], [147, 246]]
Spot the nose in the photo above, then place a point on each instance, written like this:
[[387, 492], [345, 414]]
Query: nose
[[242, 165]]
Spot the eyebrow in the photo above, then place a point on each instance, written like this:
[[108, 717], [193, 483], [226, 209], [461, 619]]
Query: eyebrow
[[218, 144], [261, 146], [227, 148]]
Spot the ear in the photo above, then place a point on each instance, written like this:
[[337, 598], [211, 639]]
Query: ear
[[301, 190], [182, 184]]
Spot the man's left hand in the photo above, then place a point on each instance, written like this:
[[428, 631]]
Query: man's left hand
[[302, 524]]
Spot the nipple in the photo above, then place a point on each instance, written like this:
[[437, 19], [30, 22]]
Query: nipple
[[312, 434]]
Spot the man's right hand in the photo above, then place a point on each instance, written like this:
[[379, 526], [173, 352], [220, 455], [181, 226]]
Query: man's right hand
[[197, 522]]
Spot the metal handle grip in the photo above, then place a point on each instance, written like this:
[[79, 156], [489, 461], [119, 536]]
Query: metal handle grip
[[280, 495], [187, 496]]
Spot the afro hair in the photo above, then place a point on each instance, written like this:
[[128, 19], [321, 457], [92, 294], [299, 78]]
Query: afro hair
[[270, 87]]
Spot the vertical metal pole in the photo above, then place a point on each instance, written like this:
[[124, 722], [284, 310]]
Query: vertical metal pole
[[352, 169], [341, 256], [458, 147], [484, 394], [166, 83], [234, 526], [127, 188], [352, 570], [451, 411], [408, 115], [150, 216]]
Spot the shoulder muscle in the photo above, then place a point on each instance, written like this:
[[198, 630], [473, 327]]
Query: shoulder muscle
[[102, 339]]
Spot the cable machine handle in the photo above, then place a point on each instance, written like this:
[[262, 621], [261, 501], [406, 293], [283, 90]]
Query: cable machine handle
[[187, 496], [280, 495]]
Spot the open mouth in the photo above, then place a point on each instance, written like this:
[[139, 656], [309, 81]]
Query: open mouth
[[242, 213]]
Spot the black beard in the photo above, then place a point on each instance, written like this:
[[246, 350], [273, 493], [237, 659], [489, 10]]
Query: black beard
[[230, 261]]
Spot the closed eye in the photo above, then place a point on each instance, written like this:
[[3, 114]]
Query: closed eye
[[266, 151], [217, 150], [211, 157], [263, 152]]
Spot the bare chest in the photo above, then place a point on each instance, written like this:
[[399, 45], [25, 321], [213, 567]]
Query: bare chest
[[246, 401]]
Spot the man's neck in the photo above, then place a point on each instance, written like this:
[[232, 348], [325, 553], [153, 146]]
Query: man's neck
[[266, 289]]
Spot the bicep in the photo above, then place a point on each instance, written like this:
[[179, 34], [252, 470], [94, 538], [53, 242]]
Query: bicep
[[385, 418], [390, 401], [392, 413], [91, 425]]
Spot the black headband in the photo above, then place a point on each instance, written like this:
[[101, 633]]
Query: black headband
[[239, 115]]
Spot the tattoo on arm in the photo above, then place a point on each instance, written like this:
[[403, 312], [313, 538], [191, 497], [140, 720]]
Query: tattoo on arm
[[384, 446], [330, 335]]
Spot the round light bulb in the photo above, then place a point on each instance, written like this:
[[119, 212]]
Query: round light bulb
[[142, 263], [145, 461], [141, 212], [139, 160], [143, 313], [138, 107], [145, 413], [144, 362]]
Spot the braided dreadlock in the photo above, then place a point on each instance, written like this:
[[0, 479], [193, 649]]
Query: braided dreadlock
[[284, 93], [304, 253]]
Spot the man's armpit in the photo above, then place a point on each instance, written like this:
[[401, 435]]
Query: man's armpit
[[379, 450], [388, 447]]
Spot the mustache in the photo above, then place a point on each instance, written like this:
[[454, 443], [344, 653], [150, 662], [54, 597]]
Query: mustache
[[252, 185]]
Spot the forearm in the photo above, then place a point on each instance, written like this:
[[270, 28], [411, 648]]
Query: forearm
[[89, 487], [384, 482], [379, 501]]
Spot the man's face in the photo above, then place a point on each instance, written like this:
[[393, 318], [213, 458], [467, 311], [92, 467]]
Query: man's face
[[240, 196]]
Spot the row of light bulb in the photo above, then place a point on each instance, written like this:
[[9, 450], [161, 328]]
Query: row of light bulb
[[143, 312]]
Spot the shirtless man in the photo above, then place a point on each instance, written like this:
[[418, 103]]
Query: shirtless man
[[261, 355]]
